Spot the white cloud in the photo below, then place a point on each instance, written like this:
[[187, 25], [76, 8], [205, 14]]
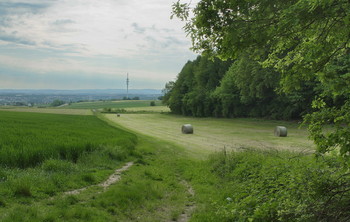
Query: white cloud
[[104, 27], [137, 31]]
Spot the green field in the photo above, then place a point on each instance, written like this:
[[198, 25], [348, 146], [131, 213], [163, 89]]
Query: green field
[[270, 179], [28, 139], [45, 155], [122, 104], [172, 176], [47, 110], [42, 155], [211, 134]]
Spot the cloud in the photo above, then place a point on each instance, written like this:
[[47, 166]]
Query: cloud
[[22, 7], [101, 38], [12, 38], [62, 22], [100, 26], [137, 28]]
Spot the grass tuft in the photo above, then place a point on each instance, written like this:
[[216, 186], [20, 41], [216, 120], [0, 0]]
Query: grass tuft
[[22, 188], [2, 203], [63, 166]]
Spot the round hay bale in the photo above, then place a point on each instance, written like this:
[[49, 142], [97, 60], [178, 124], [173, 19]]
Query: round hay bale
[[280, 131], [187, 129]]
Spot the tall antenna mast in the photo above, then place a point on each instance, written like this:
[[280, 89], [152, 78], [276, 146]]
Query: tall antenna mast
[[127, 85]]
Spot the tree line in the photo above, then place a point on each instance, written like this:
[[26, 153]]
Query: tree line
[[235, 88]]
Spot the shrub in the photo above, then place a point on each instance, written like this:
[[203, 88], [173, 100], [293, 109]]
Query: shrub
[[280, 186]]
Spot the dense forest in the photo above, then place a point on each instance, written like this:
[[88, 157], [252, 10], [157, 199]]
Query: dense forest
[[241, 88]]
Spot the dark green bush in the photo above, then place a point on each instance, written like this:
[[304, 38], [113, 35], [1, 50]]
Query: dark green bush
[[280, 186]]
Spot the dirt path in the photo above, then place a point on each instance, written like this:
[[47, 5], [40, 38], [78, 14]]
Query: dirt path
[[190, 205], [113, 178]]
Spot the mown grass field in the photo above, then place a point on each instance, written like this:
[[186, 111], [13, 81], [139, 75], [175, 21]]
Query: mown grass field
[[122, 104], [212, 134], [148, 109]]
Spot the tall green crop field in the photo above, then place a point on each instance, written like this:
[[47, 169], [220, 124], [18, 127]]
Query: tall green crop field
[[28, 139], [44, 155]]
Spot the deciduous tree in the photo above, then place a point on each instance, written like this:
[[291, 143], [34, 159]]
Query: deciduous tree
[[304, 41]]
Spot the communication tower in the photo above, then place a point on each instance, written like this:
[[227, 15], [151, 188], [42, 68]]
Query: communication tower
[[127, 85]]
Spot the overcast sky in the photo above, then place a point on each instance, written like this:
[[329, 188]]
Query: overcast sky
[[90, 44]]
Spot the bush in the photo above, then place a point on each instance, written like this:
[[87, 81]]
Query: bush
[[280, 186]]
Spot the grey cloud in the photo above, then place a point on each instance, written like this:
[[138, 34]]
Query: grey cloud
[[154, 28], [137, 28], [5, 21], [140, 29], [8, 9], [173, 40], [154, 43], [167, 30], [64, 48], [61, 22], [12, 38], [61, 25], [21, 7], [165, 42], [151, 39]]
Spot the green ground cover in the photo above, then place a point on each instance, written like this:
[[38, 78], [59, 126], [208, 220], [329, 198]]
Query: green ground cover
[[213, 134], [258, 181], [170, 183], [122, 104], [152, 190], [45, 154], [48, 110], [28, 139], [260, 185]]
